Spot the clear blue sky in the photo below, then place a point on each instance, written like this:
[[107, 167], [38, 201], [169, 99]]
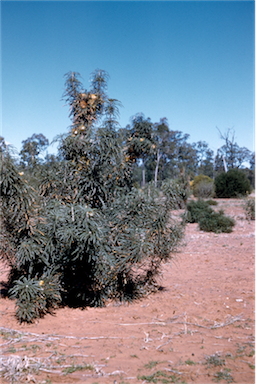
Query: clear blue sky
[[191, 61]]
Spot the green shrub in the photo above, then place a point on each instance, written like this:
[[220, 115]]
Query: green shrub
[[210, 221], [203, 186], [211, 202], [205, 189], [176, 194], [234, 183], [250, 209], [197, 209], [85, 235], [216, 222], [35, 297]]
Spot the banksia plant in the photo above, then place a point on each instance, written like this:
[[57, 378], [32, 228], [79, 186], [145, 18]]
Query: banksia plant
[[86, 235]]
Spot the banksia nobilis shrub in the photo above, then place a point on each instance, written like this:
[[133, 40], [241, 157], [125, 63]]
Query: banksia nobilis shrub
[[85, 235], [176, 193], [234, 183]]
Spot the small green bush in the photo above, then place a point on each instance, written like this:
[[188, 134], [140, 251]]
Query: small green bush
[[196, 210], [216, 222], [234, 183], [203, 186], [205, 189], [210, 221], [250, 209], [211, 202]]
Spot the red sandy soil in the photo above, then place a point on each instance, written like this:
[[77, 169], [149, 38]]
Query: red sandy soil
[[198, 329]]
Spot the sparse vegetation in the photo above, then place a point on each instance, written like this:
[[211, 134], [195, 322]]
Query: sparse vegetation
[[161, 377], [78, 233], [249, 207], [190, 362], [78, 367], [223, 375], [214, 360], [151, 364]]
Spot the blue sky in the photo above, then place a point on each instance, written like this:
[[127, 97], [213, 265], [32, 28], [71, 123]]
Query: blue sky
[[189, 61]]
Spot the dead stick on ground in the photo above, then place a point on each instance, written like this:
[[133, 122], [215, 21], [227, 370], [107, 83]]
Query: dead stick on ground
[[162, 345], [229, 322]]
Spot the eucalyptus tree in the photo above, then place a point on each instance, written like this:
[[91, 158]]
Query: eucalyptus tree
[[141, 142], [204, 158], [32, 147], [234, 155], [161, 136]]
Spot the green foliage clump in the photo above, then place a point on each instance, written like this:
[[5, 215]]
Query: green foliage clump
[[197, 209], [203, 186], [211, 202], [234, 183], [250, 209], [176, 192], [85, 235], [216, 222], [210, 221], [34, 297]]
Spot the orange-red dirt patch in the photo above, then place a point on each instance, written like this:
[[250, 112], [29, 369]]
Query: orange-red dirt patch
[[197, 329]]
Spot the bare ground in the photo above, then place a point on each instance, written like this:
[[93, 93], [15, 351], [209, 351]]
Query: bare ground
[[198, 329]]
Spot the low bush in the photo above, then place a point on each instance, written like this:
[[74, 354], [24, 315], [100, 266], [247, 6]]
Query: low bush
[[205, 189], [250, 209], [234, 183], [203, 186], [209, 221], [211, 202], [197, 209], [216, 222]]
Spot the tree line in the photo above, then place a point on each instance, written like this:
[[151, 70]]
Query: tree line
[[157, 152]]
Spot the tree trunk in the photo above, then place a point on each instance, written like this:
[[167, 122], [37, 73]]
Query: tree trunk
[[143, 175], [157, 165]]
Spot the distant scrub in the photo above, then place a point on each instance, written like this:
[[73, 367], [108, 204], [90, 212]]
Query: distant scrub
[[234, 183], [203, 186], [210, 221], [250, 209], [216, 222]]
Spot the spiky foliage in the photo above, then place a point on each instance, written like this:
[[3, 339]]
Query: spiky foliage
[[177, 193], [86, 235], [23, 243]]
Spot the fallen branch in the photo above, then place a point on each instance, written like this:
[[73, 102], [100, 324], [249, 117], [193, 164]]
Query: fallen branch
[[217, 325], [174, 371], [162, 345]]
